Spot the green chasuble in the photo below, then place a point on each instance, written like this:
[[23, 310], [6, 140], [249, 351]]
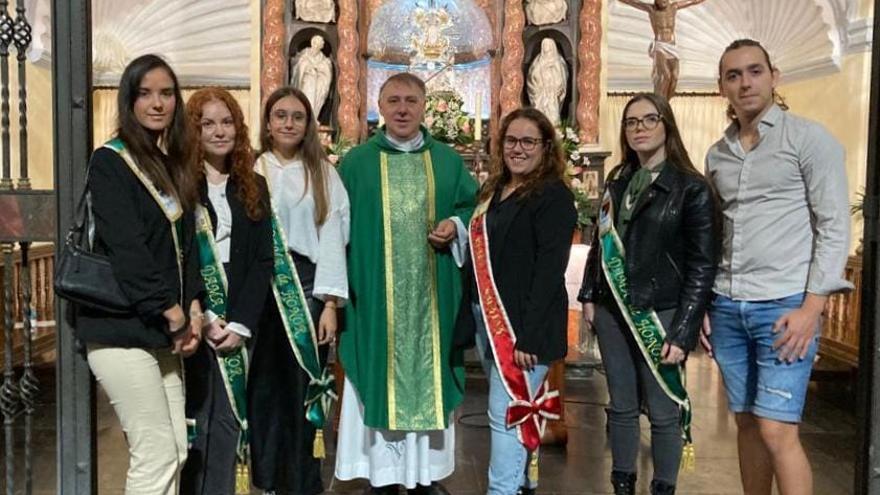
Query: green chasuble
[[404, 294]]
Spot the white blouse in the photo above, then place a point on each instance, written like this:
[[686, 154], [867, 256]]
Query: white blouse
[[324, 245], [223, 235]]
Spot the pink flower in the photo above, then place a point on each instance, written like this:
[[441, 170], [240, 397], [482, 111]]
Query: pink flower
[[466, 128], [429, 121], [442, 106]]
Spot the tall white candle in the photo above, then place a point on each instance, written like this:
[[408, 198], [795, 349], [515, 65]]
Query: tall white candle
[[478, 121]]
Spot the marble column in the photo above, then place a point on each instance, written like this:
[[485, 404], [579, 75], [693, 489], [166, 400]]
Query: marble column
[[589, 70], [348, 114], [274, 61], [511, 63]]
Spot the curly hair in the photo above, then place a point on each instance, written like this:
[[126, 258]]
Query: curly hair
[[240, 160], [552, 164]]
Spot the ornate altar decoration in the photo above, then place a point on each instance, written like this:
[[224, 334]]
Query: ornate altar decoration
[[446, 43]]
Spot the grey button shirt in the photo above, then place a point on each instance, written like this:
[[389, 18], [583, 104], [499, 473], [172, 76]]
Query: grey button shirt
[[785, 207]]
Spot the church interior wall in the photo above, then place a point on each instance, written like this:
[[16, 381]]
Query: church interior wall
[[840, 101]]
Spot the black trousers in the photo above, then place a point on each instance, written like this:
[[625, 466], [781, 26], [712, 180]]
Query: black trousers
[[210, 465], [281, 437]]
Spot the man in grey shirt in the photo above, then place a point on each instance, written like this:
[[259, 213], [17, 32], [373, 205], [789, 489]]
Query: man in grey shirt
[[783, 191]]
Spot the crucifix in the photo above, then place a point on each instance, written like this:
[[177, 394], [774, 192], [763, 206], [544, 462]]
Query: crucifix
[[663, 50]]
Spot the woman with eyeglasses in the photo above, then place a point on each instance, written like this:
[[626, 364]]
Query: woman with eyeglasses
[[515, 304], [289, 385], [646, 286]]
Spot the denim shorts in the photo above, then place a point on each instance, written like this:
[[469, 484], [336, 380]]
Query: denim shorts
[[756, 380]]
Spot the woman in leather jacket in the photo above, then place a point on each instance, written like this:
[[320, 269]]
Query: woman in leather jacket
[[664, 213]]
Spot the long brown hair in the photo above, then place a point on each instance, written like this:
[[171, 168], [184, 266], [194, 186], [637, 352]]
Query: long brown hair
[[552, 164], [741, 43], [167, 170], [240, 160], [310, 150], [676, 153]]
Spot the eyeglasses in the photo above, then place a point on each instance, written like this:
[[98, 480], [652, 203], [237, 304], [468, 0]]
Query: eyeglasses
[[527, 143], [649, 122]]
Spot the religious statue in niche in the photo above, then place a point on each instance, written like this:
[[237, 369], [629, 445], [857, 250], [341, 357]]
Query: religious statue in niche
[[312, 73], [548, 76], [315, 10], [663, 50], [542, 12]]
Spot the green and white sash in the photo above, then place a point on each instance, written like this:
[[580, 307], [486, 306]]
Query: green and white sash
[[174, 213], [299, 328], [644, 324], [234, 365]]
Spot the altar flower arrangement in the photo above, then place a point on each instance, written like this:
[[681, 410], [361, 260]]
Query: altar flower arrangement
[[585, 198], [335, 150], [446, 120]]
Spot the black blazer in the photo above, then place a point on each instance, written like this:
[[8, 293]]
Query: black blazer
[[529, 256], [131, 229], [672, 248], [249, 271]]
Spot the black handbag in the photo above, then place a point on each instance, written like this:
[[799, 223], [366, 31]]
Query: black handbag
[[82, 276]]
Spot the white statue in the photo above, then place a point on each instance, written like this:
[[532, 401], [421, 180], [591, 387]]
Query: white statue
[[541, 12], [312, 74], [315, 10], [548, 76]]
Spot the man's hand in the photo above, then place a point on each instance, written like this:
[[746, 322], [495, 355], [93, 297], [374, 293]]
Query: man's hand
[[525, 360], [444, 233], [327, 325], [798, 328], [672, 354], [705, 332]]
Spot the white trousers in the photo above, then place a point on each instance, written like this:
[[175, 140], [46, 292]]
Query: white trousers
[[145, 387]]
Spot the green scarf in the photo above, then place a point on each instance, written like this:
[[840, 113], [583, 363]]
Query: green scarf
[[638, 184]]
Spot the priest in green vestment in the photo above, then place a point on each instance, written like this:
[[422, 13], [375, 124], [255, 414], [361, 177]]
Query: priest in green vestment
[[411, 198]]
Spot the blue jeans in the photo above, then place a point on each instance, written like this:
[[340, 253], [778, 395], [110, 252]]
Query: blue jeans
[[508, 458], [757, 381]]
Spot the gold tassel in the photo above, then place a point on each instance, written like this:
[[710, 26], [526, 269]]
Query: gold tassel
[[533, 467], [688, 457], [318, 447], [242, 479]]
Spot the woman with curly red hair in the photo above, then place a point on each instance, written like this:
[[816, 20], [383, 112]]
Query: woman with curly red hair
[[235, 252]]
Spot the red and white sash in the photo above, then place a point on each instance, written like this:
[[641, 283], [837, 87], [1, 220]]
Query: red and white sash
[[526, 411]]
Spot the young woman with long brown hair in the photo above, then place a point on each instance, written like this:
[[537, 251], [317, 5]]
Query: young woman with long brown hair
[[520, 239], [646, 286], [235, 234], [142, 198], [311, 220]]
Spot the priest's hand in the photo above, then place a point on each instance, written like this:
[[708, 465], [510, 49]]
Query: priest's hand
[[443, 234], [327, 324], [525, 360]]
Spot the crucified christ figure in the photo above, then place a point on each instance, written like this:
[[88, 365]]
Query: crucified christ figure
[[663, 50]]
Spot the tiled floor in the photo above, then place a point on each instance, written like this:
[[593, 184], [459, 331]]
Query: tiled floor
[[581, 467]]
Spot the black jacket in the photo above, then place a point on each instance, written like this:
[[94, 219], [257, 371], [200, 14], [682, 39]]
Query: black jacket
[[131, 229], [529, 256], [672, 248], [249, 271]]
